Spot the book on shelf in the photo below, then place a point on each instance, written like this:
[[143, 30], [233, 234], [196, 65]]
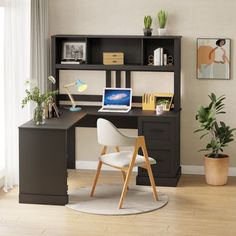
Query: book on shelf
[[70, 62], [160, 58], [156, 59], [165, 59]]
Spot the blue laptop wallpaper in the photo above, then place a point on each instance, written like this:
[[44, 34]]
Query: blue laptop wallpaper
[[117, 97]]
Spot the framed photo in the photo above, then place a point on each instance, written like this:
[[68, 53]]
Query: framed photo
[[74, 51], [213, 58], [56, 110], [164, 99]]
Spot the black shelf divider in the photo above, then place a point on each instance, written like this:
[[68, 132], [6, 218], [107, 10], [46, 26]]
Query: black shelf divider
[[108, 78], [118, 79], [128, 79]]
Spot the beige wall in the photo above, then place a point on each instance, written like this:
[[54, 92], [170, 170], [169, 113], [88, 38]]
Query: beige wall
[[189, 18]]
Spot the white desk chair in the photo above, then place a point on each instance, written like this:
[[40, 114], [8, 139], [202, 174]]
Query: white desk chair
[[109, 135]]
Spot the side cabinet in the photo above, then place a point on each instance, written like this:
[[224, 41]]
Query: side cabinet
[[162, 136], [43, 166]]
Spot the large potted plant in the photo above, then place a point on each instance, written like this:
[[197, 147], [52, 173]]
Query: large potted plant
[[216, 162]]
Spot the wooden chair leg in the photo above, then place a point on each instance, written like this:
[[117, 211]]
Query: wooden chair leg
[[128, 175], [124, 177], [96, 178], [149, 169], [124, 191]]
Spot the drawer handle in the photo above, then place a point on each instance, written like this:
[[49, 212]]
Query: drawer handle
[[156, 131], [114, 55], [114, 61]]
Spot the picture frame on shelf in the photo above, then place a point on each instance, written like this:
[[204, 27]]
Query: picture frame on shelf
[[213, 58], [164, 99], [56, 110], [74, 51]]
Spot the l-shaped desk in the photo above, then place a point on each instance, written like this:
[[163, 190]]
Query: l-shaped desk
[[45, 152]]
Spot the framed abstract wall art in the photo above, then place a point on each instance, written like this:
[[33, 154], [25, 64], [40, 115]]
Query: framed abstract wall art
[[213, 58]]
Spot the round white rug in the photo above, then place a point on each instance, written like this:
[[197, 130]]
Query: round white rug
[[139, 199]]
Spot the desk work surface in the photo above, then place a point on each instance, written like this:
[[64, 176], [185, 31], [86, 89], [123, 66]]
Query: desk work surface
[[68, 118]]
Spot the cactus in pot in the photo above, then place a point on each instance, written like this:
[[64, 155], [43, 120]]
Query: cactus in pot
[[162, 18], [147, 26]]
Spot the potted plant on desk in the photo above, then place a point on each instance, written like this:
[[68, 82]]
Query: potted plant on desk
[[165, 103], [41, 99], [216, 163]]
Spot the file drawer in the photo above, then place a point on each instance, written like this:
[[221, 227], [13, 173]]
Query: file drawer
[[162, 142]]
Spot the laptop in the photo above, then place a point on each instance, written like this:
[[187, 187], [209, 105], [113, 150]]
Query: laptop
[[116, 100]]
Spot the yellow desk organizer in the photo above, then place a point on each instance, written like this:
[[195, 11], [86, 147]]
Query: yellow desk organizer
[[150, 100]]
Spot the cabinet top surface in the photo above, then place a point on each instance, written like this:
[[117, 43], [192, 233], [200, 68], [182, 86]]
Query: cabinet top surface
[[69, 119], [117, 36]]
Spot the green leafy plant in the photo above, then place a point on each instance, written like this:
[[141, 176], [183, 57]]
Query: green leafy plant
[[162, 18], [163, 101], [33, 93], [221, 134], [147, 22]]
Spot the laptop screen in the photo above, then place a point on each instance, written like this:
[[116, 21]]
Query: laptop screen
[[120, 97]]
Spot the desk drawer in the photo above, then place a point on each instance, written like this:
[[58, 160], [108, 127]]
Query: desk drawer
[[157, 129], [162, 144], [157, 144], [164, 159]]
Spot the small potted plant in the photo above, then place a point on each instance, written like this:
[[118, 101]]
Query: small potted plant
[[33, 94], [147, 26], [162, 18], [216, 163], [164, 102]]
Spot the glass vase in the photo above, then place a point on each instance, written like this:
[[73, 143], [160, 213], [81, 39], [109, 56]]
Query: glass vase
[[39, 115]]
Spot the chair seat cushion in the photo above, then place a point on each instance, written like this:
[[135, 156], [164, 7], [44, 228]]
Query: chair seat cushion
[[123, 159]]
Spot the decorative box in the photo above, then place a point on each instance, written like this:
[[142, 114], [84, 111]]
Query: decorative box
[[113, 58]]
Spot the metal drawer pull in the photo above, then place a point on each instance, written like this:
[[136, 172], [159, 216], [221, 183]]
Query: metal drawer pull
[[156, 131]]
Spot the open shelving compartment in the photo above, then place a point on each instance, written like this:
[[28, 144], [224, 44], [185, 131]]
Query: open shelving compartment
[[136, 51], [131, 47]]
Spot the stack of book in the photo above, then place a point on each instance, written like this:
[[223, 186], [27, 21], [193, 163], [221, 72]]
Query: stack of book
[[160, 58], [72, 61]]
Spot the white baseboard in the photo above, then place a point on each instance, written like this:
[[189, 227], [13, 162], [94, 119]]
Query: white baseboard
[[192, 170], [186, 169], [199, 170]]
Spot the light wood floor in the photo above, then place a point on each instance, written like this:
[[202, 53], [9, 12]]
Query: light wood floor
[[193, 209]]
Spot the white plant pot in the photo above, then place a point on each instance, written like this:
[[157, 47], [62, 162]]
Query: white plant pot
[[161, 31]]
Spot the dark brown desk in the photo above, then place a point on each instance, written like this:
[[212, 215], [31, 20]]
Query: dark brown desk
[[45, 152]]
